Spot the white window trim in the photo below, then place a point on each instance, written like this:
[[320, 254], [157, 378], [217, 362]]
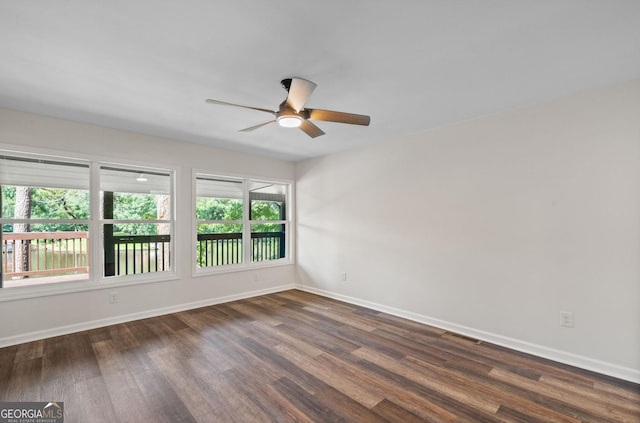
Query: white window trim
[[246, 264], [139, 277], [96, 279]]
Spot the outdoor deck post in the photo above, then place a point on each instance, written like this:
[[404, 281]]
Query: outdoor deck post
[[109, 253], [283, 216]]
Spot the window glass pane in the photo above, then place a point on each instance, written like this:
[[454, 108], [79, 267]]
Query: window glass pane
[[218, 188], [22, 202], [267, 210], [51, 250], [218, 199], [134, 181], [218, 209], [127, 206], [41, 172], [134, 248], [219, 244], [43, 189], [135, 195], [129, 198], [268, 242], [268, 201], [37, 256]]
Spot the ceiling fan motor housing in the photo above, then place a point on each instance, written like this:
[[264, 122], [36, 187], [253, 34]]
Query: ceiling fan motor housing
[[286, 110], [286, 83]]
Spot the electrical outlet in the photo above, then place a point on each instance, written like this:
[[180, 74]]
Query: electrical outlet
[[343, 276], [113, 297], [256, 277], [566, 319]]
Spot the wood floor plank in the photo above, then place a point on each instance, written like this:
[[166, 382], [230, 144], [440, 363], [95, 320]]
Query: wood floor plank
[[280, 337], [257, 311], [395, 413], [70, 358], [293, 356], [390, 344], [365, 387], [8, 359], [90, 402], [498, 392], [128, 399], [187, 384], [426, 402], [588, 393], [630, 392], [593, 408], [360, 389], [28, 384], [281, 366], [347, 408], [305, 402], [200, 389], [325, 341], [455, 389], [30, 350], [161, 397], [290, 404], [344, 319]]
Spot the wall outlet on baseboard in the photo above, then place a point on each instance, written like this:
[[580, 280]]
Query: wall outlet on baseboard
[[113, 297], [256, 277], [566, 319]]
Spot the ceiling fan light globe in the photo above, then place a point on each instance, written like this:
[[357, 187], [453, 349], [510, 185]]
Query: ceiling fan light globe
[[289, 121]]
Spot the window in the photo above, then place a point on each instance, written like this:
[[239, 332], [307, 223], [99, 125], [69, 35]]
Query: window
[[240, 222], [268, 218], [136, 221], [55, 228], [219, 211], [45, 221]]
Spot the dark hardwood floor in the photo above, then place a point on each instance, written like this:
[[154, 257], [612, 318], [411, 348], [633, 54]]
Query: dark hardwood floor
[[298, 357]]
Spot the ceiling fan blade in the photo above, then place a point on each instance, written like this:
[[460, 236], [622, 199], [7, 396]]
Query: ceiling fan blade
[[254, 127], [299, 93], [311, 129], [224, 103], [340, 117]]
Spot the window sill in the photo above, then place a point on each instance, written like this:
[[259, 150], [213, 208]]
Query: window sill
[[233, 268]]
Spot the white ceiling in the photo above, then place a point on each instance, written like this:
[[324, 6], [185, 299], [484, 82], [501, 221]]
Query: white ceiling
[[147, 66]]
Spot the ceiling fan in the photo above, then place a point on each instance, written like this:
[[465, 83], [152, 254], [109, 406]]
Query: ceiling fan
[[292, 114]]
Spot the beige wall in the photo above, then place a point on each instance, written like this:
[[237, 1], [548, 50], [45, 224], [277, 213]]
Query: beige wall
[[492, 227], [34, 318]]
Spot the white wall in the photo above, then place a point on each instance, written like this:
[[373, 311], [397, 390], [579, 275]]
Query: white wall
[[26, 319], [491, 227]]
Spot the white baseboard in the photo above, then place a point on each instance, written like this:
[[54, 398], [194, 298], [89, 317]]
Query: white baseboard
[[79, 327], [620, 372]]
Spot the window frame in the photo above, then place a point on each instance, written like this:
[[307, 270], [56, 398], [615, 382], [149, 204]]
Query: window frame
[[102, 222], [96, 279], [37, 159], [247, 262], [252, 222], [197, 222]]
